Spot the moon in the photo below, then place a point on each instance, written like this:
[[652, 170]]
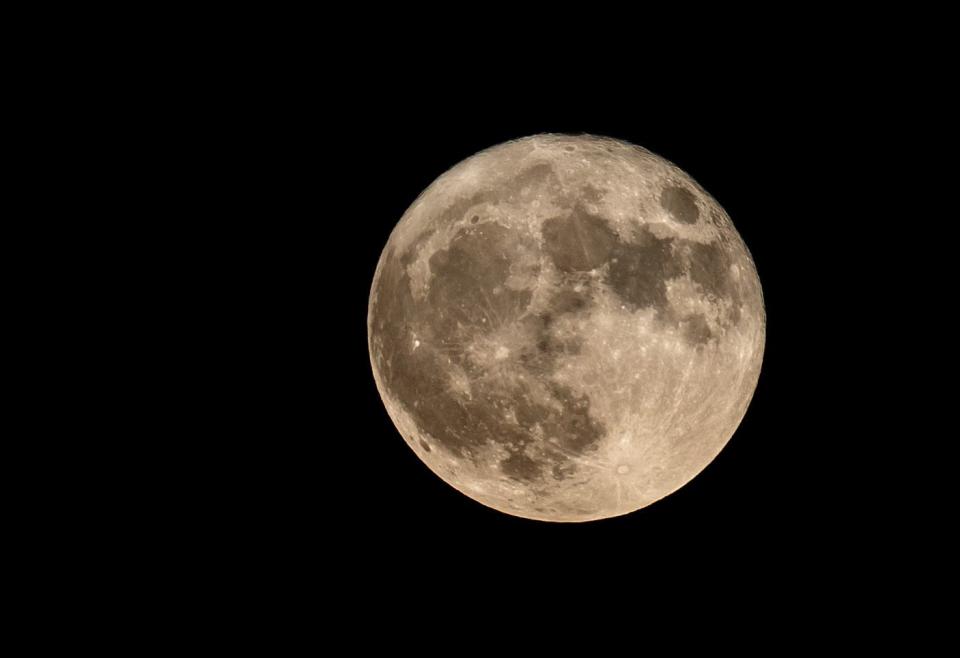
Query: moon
[[566, 328]]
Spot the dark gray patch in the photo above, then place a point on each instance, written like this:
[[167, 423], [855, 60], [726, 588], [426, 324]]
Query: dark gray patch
[[520, 467], [574, 428], [578, 242], [458, 209], [475, 219], [415, 377], [637, 271], [557, 346], [531, 357], [497, 410], [390, 310], [640, 271], [491, 408], [563, 471], [424, 445], [568, 300], [541, 354], [477, 260], [570, 148], [538, 361], [680, 203], [696, 329], [458, 300], [709, 266]]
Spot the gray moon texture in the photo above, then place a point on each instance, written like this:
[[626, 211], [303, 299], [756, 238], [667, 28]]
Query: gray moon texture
[[566, 328]]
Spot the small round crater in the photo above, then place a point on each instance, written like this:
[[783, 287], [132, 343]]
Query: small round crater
[[475, 219], [623, 469]]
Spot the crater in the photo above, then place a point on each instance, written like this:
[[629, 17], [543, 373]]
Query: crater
[[680, 203]]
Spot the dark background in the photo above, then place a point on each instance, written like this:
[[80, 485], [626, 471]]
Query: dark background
[[313, 482], [332, 473], [243, 174], [271, 482]]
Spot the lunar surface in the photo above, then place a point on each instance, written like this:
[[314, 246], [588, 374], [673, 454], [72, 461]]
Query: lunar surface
[[566, 328]]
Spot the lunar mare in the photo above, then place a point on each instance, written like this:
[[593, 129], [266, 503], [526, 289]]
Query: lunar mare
[[566, 328]]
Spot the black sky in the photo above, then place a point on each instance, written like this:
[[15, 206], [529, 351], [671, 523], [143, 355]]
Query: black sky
[[777, 159], [312, 463]]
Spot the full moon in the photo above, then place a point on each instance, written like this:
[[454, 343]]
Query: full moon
[[566, 328]]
